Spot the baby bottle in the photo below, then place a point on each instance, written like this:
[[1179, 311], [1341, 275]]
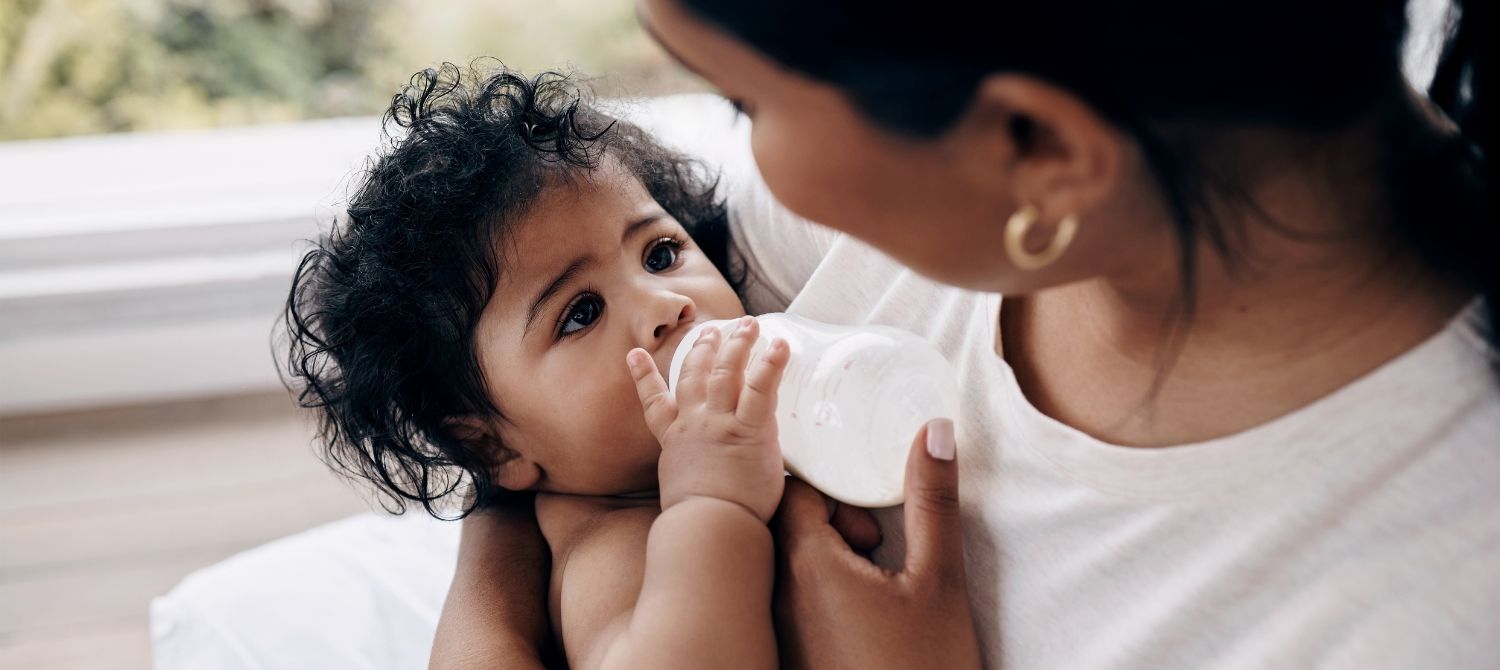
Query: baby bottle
[[850, 402]]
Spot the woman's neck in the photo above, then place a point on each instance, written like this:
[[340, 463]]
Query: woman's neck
[[1313, 302]]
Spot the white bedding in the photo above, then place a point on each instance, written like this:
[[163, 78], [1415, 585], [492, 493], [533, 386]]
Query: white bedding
[[364, 592]]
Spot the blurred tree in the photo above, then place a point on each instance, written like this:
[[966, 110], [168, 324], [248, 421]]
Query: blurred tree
[[88, 66]]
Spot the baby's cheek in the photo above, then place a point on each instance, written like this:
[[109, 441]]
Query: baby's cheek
[[726, 303], [618, 416], [627, 452]]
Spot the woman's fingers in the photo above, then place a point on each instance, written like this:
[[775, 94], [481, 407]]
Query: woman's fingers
[[758, 399], [802, 517], [934, 530], [856, 525], [692, 381], [728, 373], [808, 544], [657, 401]]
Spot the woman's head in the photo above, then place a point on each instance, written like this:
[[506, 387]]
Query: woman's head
[[470, 318], [923, 128]]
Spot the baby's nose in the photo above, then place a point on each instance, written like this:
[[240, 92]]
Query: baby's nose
[[670, 318]]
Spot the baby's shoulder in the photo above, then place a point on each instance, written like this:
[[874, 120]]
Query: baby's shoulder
[[567, 521], [598, 558]]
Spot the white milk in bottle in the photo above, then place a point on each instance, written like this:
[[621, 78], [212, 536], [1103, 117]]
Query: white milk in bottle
[[850, 402]]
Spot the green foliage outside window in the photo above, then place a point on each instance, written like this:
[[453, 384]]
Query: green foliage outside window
[[70, 67]]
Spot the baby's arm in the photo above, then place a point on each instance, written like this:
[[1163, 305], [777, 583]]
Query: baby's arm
[[608, 616], [703, 598]]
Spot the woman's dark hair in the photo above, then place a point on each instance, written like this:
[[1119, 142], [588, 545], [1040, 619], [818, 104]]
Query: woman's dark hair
[[1309, 66], [382, 312]]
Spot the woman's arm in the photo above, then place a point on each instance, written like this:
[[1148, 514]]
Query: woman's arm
[[495, 615]]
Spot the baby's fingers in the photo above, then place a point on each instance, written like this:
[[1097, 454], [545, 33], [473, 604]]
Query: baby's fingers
[[728, 373], [692, 379], [658, 403], [758, 401]]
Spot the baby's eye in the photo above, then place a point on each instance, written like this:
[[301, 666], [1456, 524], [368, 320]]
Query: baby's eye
[[662, 256], [579, 315]]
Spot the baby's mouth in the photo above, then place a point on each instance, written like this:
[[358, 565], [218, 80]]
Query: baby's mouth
[[667, 351], [663, 354]]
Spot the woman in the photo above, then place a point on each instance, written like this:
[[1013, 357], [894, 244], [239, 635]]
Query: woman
[[1239, 406]]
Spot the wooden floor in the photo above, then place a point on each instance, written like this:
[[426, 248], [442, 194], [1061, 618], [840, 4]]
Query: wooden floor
[[99, 512]]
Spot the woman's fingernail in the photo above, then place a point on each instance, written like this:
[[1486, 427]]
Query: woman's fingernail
[[708, 334], [635, 358], [940, 444]]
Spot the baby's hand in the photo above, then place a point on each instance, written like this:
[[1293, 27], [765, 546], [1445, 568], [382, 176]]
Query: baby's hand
[[718, 433]]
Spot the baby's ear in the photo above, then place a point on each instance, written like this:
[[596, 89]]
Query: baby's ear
[[512, 469]]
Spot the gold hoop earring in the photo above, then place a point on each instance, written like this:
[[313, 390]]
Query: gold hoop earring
[[1020, 223]]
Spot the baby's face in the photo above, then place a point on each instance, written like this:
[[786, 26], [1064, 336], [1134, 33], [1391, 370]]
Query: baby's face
[[594, 269]]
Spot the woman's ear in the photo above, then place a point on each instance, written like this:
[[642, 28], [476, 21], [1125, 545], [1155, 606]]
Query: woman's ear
[[1059, 154], [512, 469]]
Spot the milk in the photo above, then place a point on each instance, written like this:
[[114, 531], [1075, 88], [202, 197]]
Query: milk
[[850, 402]]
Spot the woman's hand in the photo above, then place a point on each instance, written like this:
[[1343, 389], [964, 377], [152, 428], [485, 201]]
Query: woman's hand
[[718, 431], [836, 609]]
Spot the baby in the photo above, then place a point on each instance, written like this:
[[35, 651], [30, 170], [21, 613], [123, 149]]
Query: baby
[[515, 270]]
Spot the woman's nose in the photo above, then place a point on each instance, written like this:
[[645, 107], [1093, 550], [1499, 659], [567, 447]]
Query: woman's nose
[[666, 315]]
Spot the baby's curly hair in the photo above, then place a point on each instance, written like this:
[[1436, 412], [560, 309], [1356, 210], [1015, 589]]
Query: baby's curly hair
[[382, 312]]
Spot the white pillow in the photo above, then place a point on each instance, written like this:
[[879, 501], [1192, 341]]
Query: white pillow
[[364, 592]]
